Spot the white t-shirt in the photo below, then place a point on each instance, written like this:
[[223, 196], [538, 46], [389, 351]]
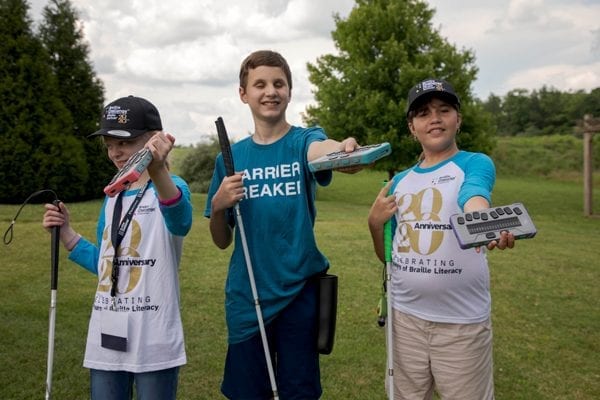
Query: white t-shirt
[[432, 277], [148, 290]]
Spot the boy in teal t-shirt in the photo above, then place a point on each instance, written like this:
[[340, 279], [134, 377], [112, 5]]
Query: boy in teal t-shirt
[[276, 192]]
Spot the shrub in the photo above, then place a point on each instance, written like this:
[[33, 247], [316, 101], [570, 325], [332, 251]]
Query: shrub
[[198, 164]]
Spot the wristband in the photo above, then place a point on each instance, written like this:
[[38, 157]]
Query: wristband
[[172, 200], [73, 242]]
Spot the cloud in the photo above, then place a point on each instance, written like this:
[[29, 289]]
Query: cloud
[[185, 56], [563, 76], [512, 39], [187, 62]]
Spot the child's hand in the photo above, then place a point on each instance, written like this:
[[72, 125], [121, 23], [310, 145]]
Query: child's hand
[[229, 193], [352, 169], [507, 241], [160, 145], [59, 216], [55, 216], [349, 145], [383, 207]]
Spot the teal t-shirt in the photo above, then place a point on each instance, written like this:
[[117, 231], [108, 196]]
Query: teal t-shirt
[[278, 214]]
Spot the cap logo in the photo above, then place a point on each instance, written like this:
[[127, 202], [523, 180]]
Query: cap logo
[[433, 85], [116, 113]]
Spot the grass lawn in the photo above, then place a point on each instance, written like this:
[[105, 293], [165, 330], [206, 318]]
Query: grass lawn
[[545, 293]]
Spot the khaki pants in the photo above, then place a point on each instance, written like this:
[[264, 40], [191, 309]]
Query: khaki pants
[[455, 359]]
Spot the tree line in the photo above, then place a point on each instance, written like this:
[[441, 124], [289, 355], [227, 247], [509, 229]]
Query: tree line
[[50, 100], [546, 111]]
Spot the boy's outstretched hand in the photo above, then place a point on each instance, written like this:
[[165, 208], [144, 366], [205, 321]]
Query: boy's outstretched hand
[[349, 145]]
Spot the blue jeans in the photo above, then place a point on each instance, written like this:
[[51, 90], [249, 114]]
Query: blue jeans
[[118, 385]]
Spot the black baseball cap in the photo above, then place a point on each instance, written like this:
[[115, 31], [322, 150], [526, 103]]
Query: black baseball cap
[[428, 88], [128, 118]]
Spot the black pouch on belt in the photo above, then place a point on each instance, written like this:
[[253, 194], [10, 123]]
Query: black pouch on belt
[[328, 288]]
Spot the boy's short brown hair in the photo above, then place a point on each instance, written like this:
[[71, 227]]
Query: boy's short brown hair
[[264, 58]]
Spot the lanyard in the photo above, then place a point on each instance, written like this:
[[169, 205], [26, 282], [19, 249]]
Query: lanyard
[[118, 232]]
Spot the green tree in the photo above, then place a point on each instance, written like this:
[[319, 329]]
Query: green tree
[[80, 90], [582, 103], [553, 108], [591, 104], [493, 106], [515, 117], [384, 48], [544, 111], [36, 150]]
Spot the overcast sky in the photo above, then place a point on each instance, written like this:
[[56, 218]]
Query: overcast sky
[[184, 56]]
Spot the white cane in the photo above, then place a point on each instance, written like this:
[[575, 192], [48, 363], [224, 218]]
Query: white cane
[[52, 320], [230, 170], [55, 236]]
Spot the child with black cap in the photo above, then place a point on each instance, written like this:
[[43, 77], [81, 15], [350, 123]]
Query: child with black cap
[[440, 294], [135, 333]]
